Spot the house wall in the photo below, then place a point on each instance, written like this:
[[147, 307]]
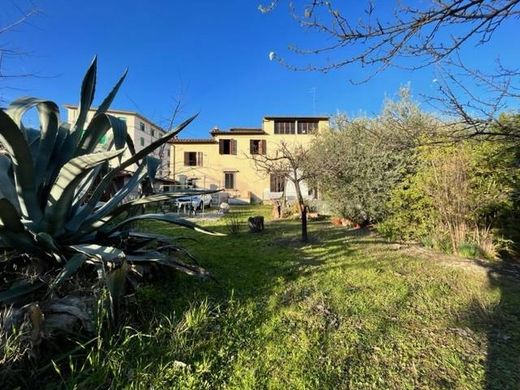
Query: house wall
[[250, 182]]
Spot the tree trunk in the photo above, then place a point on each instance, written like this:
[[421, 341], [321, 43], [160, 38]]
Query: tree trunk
[[305, 237], [303, 210]]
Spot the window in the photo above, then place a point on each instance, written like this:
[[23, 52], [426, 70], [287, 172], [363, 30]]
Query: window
[[257, 146], [142, 141], [192, 159], [229, 180], [152, 132], [278, 182], [307, 127], [284, 127], [141, 126], [227, 146]]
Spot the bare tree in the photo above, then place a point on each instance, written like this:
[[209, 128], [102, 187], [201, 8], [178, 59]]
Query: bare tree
[[8, 25], [288, 162], [415, 35], [421, 31]]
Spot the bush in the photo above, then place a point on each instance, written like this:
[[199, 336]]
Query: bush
[[234, 221], [457, 198], [359, 162]]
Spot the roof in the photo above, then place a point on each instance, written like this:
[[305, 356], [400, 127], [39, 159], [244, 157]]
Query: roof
[[122, 112], [296, 117], [193, 141], [239, 131]]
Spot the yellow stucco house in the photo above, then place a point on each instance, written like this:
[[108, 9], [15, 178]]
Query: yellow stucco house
[[225, 159]]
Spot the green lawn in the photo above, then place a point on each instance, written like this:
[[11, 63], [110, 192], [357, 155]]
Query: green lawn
[[348, 311]]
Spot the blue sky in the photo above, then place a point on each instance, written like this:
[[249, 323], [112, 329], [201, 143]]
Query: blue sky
[[211, 54]]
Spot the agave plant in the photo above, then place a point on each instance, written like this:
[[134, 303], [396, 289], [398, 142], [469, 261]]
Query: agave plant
[[52, 223]]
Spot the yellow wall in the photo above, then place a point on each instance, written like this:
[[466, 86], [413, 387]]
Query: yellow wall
[[248, 179]]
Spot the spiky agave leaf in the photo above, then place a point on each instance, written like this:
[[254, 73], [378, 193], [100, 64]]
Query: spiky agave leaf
[[14, 141], [170, 218], [62, 192]]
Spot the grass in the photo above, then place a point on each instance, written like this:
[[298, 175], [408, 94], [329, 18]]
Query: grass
[[349, 310]]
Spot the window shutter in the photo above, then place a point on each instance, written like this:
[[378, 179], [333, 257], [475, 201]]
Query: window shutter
[[221, 146], [199, 159], [186, 159], [234, 146], [251, 146], [263, 147]]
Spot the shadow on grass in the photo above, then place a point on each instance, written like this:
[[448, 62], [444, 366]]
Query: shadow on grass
[[502, 330]]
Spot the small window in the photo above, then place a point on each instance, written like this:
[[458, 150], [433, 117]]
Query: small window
[[192, 159], [227, 146], [257, 146], [142, 141], [307, 127], [278, 182], [141, 126], [152, 132], [284, 127], [229, 180]]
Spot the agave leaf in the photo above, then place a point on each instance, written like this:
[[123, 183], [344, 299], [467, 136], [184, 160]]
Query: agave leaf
[[17, 108], [116, 287], [86, 215], [179, 249], [62, 192], [105, 253], [152, 164], [12, 230], [85, 185], [69, 269], [130, 144], [88, 89], [49, 115], [7, 188], [105, 182], [9, 217], [93, 224], [60, 154], [157, 143], [103, 107], [160, 258], [97, 128], [174, 219], [18, 290], [16, 145]]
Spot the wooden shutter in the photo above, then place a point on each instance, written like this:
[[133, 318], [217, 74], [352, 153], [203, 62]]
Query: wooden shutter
[[263, 147], [199, 159], [251, 146], [186, 159], [233, 146], [221, 146]]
